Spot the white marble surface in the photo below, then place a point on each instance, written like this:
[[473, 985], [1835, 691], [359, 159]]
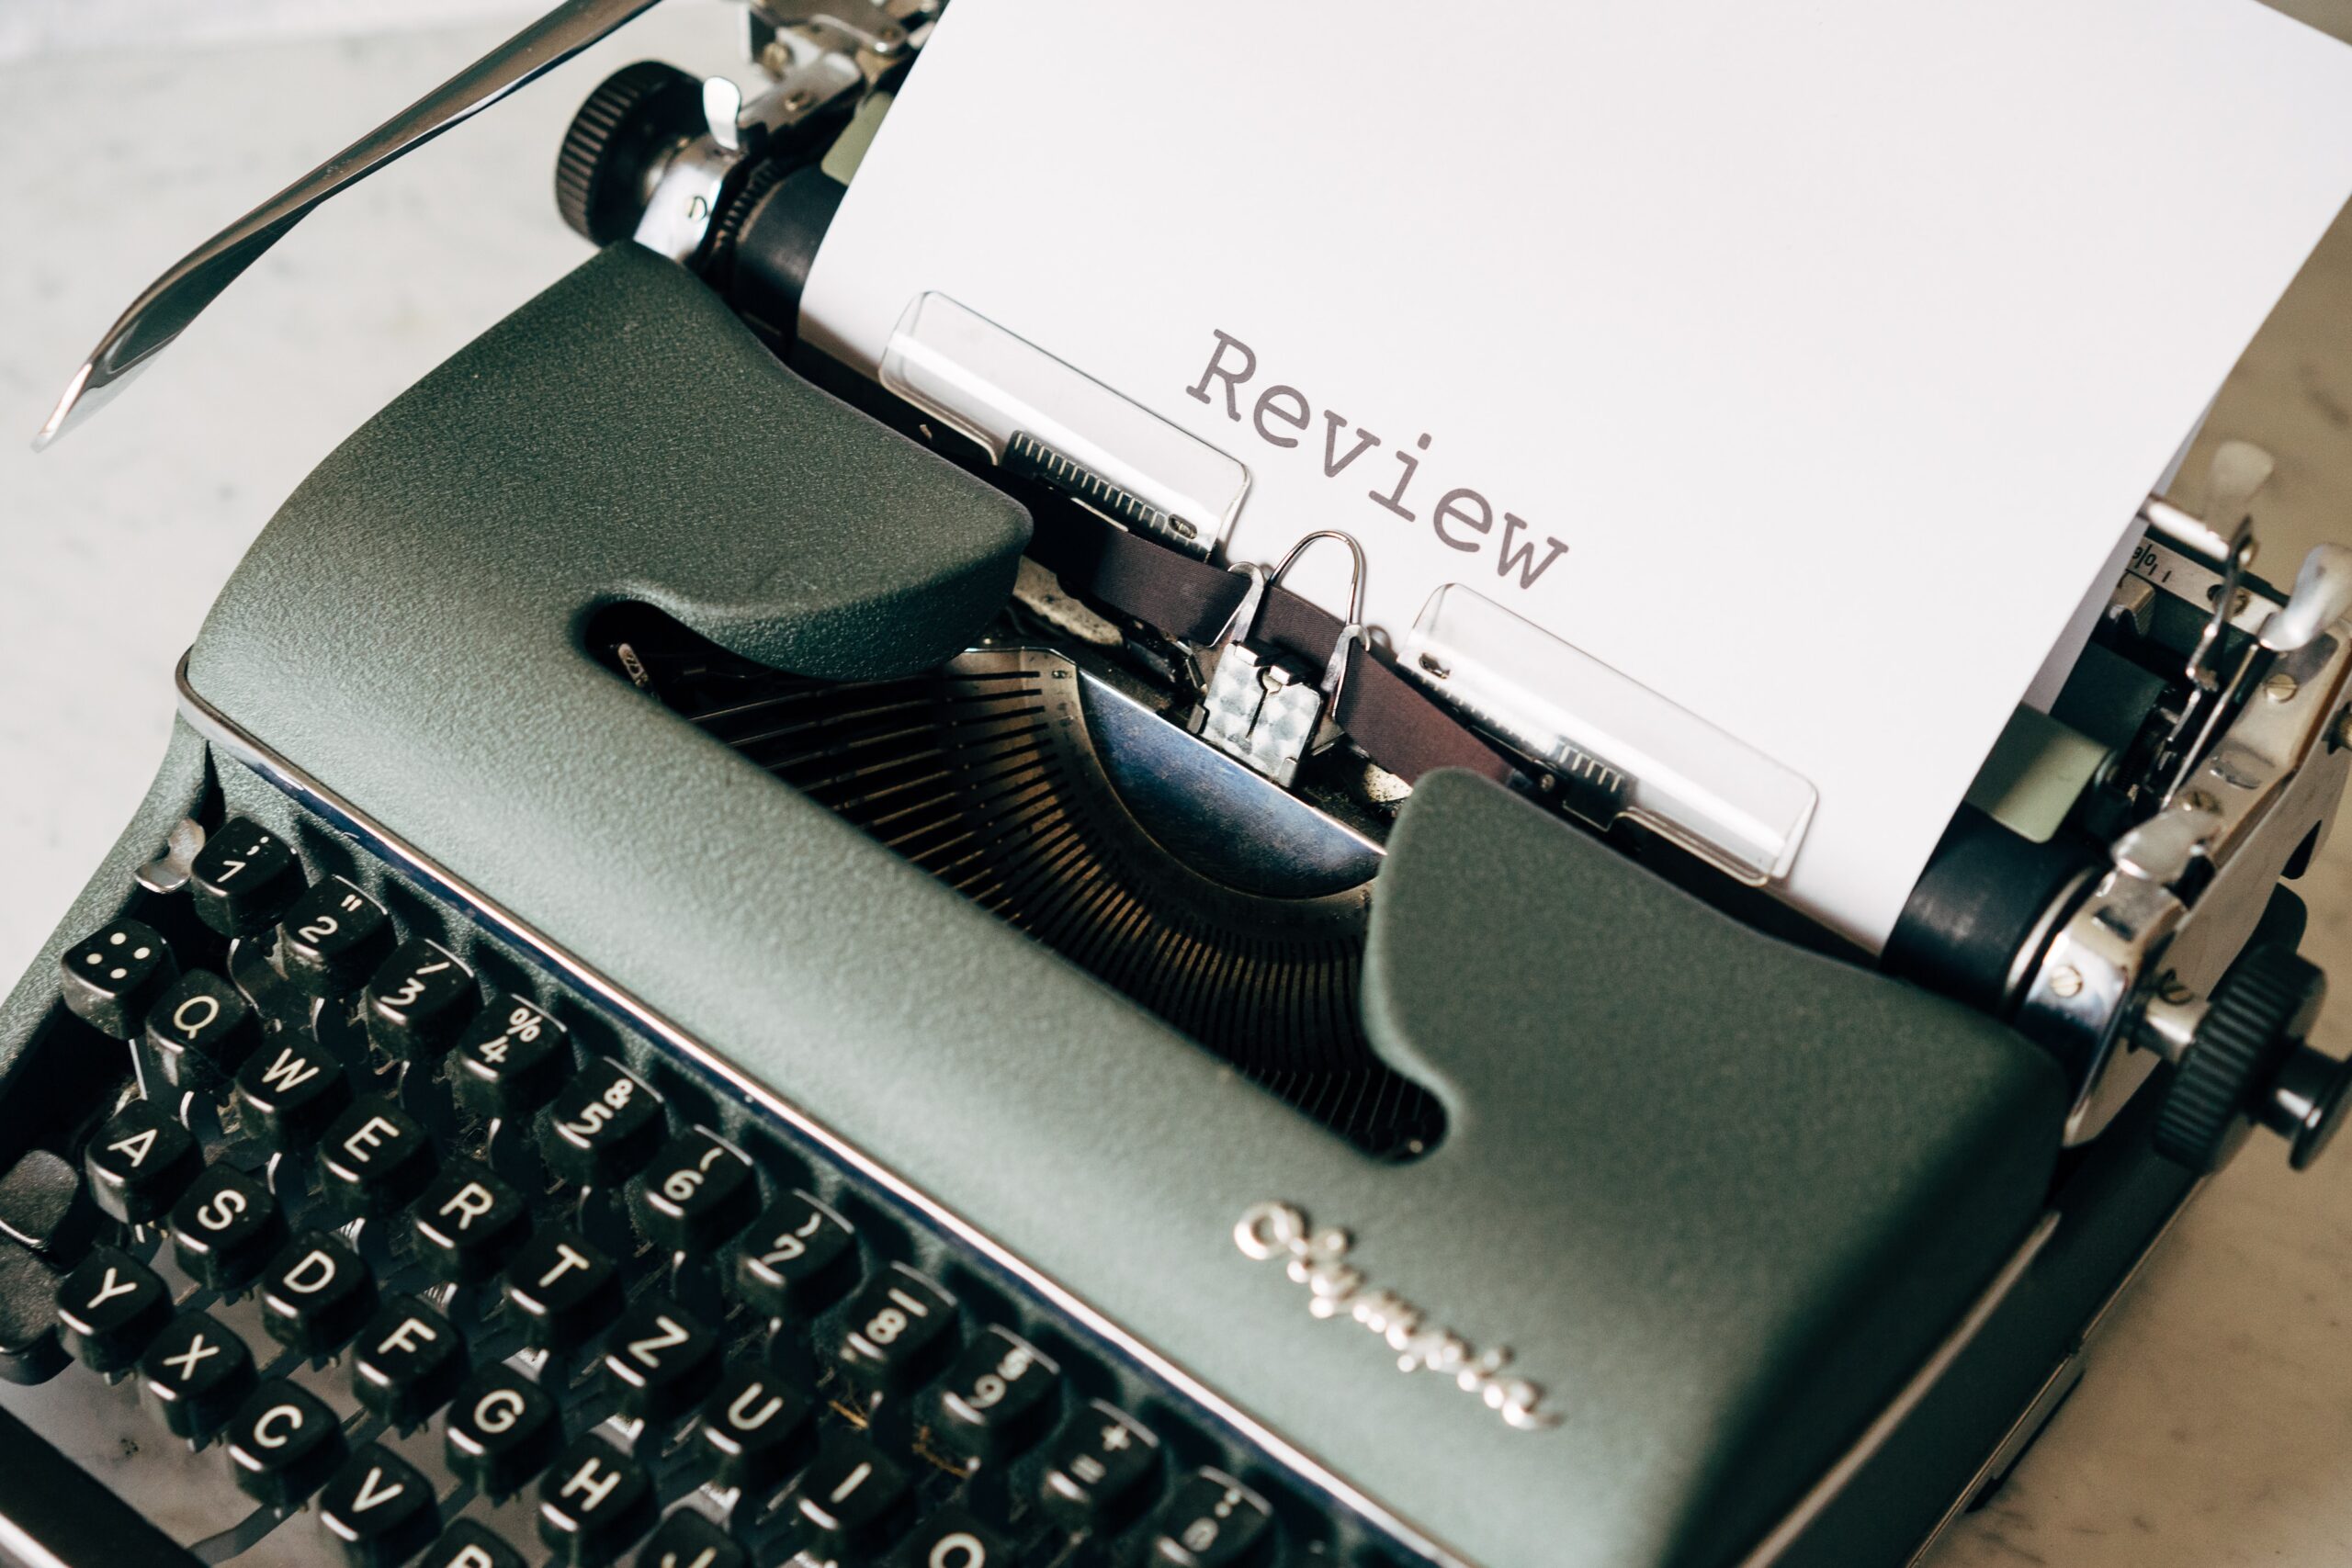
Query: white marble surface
[[2216, 1426], [29, 28]]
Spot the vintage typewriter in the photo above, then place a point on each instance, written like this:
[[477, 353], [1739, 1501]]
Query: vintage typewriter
[[733, 965]]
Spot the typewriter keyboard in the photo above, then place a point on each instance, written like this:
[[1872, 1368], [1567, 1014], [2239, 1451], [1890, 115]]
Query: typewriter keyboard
[[373, 1241]]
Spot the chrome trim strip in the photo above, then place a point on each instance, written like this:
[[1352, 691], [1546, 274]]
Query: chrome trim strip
[[20, 1546], [223, 731], [2040, 1411], [2076, 1359], [1875, 1437]]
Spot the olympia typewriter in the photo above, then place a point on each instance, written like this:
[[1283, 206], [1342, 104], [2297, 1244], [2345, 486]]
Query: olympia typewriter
[[734, 965]]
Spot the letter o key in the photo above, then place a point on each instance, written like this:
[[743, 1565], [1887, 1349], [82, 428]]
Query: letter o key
[[962, 1550]]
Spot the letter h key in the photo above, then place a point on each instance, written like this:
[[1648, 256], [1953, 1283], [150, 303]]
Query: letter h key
[[1262, 707]]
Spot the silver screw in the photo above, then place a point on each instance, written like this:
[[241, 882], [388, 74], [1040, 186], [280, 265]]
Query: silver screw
[[890, 37], [2199, 801], [2340, 736], [2067, 981], [797, 99], [2281, 688]]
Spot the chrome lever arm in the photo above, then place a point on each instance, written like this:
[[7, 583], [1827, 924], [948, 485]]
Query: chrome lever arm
[[178, 297]]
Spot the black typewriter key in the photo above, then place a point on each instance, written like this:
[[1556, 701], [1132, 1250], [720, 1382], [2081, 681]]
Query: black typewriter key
[[511, 1059], [380, 1508], [225, 1227], [201, 1029], [852, 1497], [1099, 1470], [315, 1294], [502, 1429], [897, 1332], [696, 1195], [468, 1223], [111, 977], [603, 1126], [374, 1158], [686, 1539], [283, 1444], [44, 1207], [1211, 1521], [290, 1090], [594, 1502], [31, 1349], [466, 1544], [139, 1163], [997, 1399], [565, 1289], [111, 1309], [407, 1361], [758, 1429], [243, 878], [195, 1375], [332, 938], [659, 1361], [952, 1538], [419, 1000], [796, 1261]]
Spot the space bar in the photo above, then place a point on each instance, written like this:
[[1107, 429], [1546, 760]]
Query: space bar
[[52, 1515]]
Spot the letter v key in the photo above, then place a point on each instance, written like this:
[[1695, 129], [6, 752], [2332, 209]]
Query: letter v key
[[369, 1497]]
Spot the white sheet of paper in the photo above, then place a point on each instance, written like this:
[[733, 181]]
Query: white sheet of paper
[[1833, 345]]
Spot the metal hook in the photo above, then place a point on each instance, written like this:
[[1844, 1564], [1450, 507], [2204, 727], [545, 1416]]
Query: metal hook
[[2224, 606], [1355, 580], [1335, 672], [2212, 695]]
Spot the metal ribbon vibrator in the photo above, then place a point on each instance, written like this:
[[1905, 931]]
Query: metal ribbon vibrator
[[721, 971]]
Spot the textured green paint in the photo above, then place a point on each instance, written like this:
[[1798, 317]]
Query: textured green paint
[[623, 437], [1719, 1195], [1774, 1179]]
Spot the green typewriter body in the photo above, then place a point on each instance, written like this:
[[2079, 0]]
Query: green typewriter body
[[723, 1009]]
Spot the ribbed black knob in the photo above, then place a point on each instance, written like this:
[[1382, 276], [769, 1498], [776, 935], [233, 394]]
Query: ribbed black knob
[[640, 113], [768, 249], [737, 209], [2248, 1061]]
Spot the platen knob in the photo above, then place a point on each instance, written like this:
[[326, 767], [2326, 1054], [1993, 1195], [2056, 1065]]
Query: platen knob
[[2247, 1063], [641, 114]]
